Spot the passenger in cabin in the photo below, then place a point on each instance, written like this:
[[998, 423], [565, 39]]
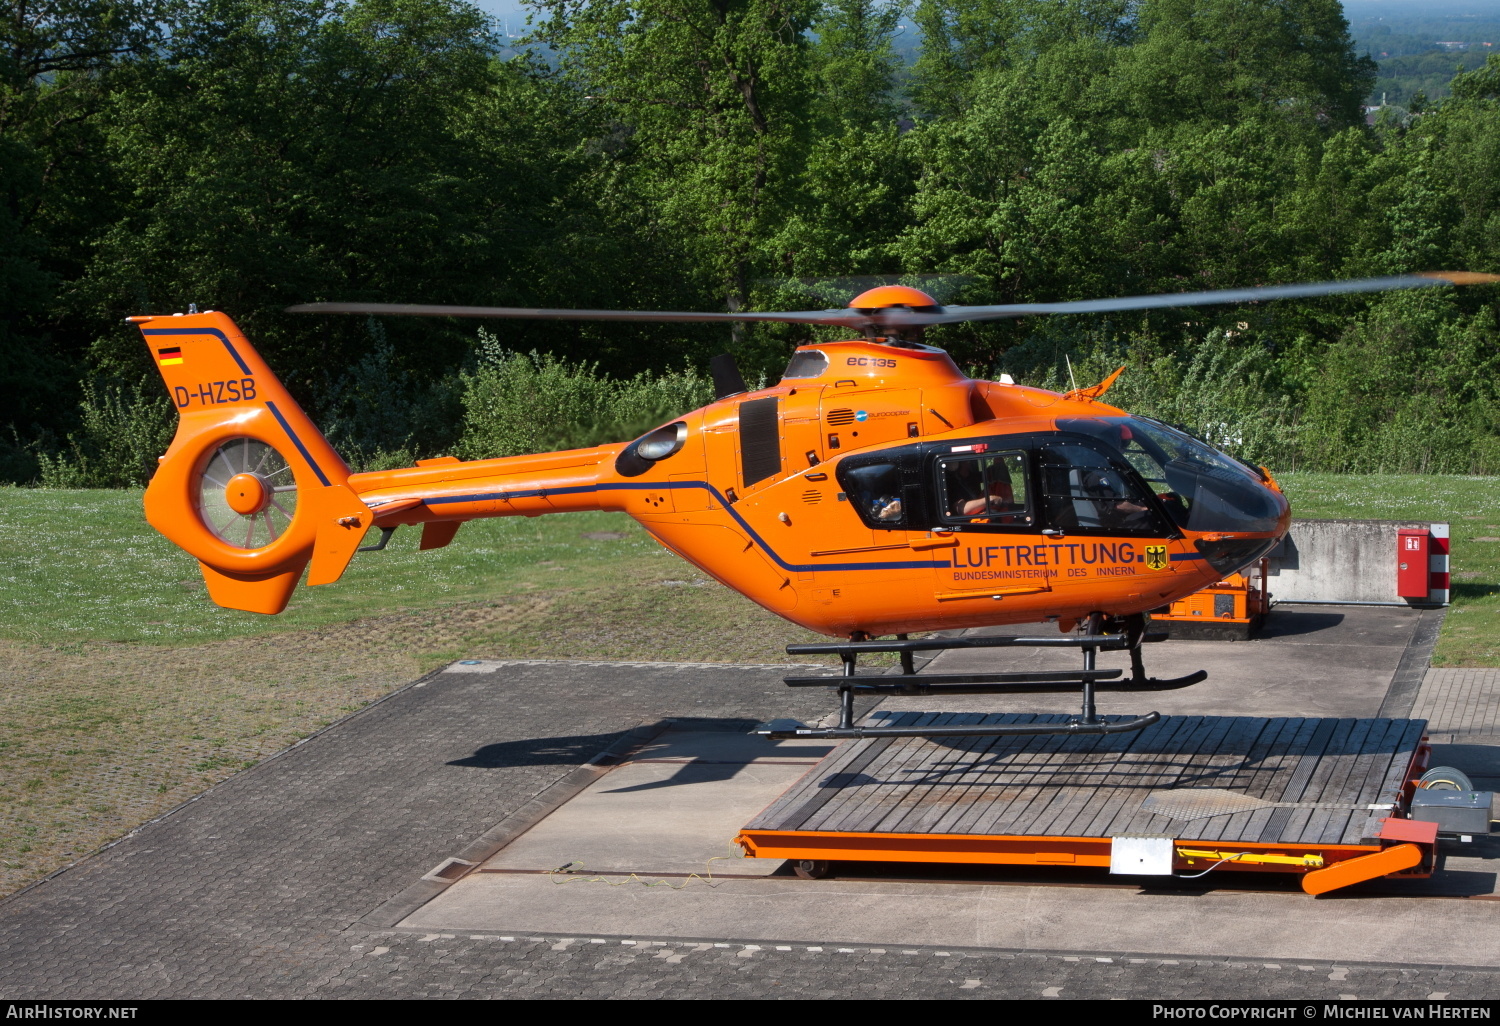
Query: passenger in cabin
[[999, 497], [987, 489], [876, 490], [964, 483]]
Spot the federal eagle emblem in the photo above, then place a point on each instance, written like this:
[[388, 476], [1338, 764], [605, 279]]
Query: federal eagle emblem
[[1156, 556]]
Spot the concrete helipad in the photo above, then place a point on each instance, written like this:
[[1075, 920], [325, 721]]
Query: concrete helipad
[[645, 849]]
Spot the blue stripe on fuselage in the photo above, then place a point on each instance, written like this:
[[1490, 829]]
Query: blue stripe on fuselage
[[926, 564], [297, 442]]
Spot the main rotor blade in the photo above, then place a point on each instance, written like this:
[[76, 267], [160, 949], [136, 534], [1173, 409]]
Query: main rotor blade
[[871, 321], [1425, 279], [849, 318]]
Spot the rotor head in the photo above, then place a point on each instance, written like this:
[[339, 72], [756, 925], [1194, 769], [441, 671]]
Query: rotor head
[[884, 296]]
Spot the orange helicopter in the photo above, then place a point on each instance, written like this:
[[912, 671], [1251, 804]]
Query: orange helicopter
[[875, 490]]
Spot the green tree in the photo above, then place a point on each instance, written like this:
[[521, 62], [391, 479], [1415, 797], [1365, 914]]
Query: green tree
[[965, 41], [857, 67], [58, 63], [716, 97], [1222, 59], [276, 150], [286, 151]]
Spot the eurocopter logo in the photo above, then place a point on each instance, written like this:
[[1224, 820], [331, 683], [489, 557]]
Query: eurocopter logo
[[1156, 556], [861, 416]]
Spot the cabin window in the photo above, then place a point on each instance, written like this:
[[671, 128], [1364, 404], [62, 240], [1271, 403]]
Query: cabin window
[[989, 489], [1084, 490], [875, 490]]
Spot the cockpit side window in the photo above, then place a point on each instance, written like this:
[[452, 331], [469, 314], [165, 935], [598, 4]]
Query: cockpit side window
[[1084, 490], [1147, 461], [1201, 488], [990, 489]]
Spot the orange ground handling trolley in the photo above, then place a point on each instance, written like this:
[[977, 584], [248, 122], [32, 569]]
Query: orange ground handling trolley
[[1235, 607]]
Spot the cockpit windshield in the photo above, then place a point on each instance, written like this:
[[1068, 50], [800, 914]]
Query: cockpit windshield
[[1201, 488]]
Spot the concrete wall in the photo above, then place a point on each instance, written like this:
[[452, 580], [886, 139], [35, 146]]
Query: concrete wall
[[1339, 561]]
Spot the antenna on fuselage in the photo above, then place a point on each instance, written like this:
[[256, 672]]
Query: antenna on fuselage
[[728, 380]]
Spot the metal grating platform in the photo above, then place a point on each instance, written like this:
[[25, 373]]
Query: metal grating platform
[[1292, 781]]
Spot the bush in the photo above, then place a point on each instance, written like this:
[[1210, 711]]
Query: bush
[[1410, 388], [124, 429], [518, 403], [378, 417]]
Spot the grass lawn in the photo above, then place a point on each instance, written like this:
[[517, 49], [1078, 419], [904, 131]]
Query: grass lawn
[[83, 566], [124, 691]]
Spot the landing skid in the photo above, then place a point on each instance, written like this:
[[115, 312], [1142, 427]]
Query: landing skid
[[1090, 681]]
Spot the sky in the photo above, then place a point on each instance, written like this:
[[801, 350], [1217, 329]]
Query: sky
[[506, 9], [512, 15]]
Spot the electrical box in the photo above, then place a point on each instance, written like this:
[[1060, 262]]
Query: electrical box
[[1454, 812], [1413, 570]]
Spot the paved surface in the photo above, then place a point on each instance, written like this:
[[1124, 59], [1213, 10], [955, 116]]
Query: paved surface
[[265, 885], [1461, 704], [249, 889], [465, 965]]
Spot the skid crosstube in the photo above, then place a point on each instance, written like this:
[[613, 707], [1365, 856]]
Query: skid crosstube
[[1132, 634], [783, 730], [1058, 683]]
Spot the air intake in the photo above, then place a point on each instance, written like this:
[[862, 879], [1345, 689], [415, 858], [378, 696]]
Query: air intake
[[760, 440], [838, 418], [727, 378]]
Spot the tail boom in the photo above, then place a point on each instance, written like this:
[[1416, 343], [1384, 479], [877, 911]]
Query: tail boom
[[233, 411], [448, 490]]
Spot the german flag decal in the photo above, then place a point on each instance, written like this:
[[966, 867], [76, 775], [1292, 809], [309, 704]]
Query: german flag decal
[[169, 357]]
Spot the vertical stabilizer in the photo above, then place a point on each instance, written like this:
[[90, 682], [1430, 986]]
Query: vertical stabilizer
[[249, 486]]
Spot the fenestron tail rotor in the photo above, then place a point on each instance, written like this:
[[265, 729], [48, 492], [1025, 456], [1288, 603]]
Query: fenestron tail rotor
[[247, 493]]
